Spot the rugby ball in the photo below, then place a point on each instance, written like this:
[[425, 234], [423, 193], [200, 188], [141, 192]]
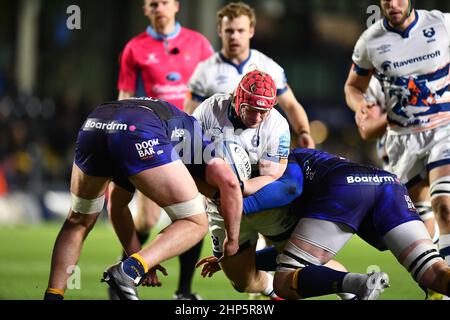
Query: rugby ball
[[239, 161]]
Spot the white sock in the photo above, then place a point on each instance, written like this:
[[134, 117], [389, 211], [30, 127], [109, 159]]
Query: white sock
[[346, 296], [444, 246], [268, 291], [352, 282]]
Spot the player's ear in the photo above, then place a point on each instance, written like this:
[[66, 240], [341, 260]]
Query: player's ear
[[177, 6], [145, 7], [252, 32]]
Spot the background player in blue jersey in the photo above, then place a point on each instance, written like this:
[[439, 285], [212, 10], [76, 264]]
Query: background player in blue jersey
[[409, 52], [133, 144], [338, 199]]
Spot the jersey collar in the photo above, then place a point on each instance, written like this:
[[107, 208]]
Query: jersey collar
[[157, 36], [239, 67], [405, 33]]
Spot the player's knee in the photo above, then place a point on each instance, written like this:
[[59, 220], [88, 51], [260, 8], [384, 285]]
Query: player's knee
[[84, 221], [145, 221], [440, 197], [87, 206], [190, 208], [443, 210], [202, 221]]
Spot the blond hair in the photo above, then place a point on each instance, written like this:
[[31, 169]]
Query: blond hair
[[236, 9]]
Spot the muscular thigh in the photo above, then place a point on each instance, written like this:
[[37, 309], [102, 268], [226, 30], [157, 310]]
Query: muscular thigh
[[86, 186], [167, 184], [313, 241]]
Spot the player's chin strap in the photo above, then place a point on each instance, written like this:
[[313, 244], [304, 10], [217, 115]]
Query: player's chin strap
[[410, 7]]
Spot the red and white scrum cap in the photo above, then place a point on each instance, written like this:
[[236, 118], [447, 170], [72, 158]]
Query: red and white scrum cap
[[256, 89]]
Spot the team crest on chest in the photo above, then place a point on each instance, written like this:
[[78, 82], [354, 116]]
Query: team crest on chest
[[429, 32]]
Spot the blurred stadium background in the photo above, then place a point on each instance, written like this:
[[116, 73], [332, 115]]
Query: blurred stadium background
[[51, 77]]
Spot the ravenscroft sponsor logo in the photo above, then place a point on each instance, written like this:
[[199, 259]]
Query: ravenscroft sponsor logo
[[370, 179], [425, 57], [95, 124]]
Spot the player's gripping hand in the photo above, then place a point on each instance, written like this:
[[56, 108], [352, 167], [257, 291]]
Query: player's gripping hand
[[151, 277], [230, 247], [210, 266], [305, 140]]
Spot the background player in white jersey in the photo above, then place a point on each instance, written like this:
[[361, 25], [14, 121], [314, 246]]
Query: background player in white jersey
[[222, 72], [372, 124], [410, 52], [247, 118]]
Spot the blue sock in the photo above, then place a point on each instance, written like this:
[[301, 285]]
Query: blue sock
[[133, 267], [266, 259], [53, 296], [313, 281]]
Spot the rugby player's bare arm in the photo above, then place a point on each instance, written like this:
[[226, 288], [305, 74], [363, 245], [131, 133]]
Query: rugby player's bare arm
[[269, 171], [354, 89], [219, 174], [297, 118], [190, 105], [125, 95]]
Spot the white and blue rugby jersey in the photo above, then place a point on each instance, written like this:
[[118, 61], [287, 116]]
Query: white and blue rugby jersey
[[413, 67], [219, 75], [270, 140]]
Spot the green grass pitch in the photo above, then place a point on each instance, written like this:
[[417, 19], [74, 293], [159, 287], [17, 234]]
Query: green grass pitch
[[25, 253]]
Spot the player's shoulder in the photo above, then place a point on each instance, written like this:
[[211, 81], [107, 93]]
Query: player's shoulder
[[431, 14], [374, 31], [263, 59], [275, 119], [218, 102], [210, 62], [215, 107]]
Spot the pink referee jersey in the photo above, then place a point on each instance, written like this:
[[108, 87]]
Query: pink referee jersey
[[164, 64]]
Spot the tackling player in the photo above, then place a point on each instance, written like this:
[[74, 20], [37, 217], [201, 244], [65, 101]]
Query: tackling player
[[132, 144], [159, 63], [336, 198]]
